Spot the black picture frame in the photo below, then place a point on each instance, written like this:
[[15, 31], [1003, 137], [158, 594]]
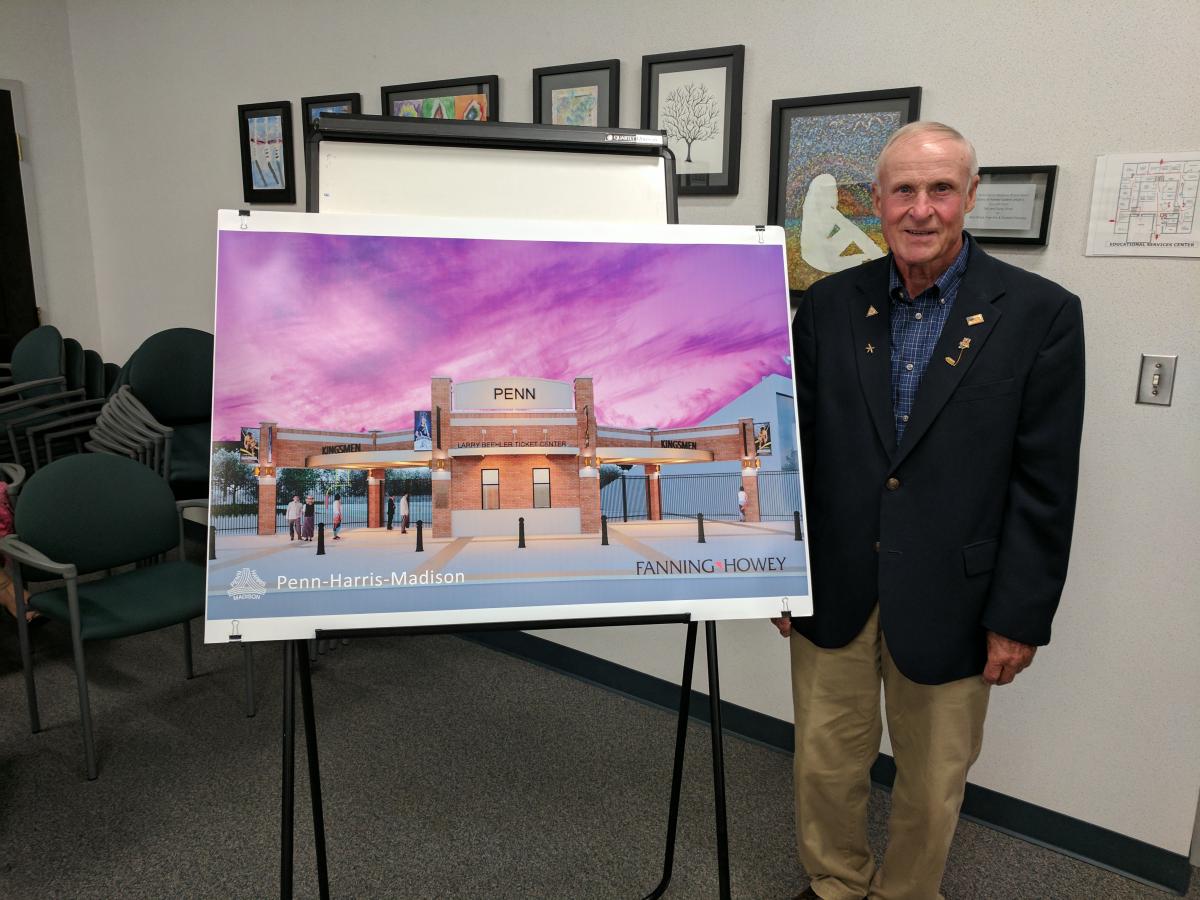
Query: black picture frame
[[603, 75], [692, 98], [841, 136], [268, 170], [311, 107], [487, 85], [1038, 233]]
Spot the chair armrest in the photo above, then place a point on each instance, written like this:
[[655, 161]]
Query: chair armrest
[[26, 385], [18, 550], [184, 505], [14, 474]]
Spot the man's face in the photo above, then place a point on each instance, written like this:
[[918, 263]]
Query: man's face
[[296, 497], [925, 190]]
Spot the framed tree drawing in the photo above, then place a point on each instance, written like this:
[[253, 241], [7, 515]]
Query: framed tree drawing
[[578, 94], [475, 99], [696, 98], [265, 130], [823, 152], [312, 107]]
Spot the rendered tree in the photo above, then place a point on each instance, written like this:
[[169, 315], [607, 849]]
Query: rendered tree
[[691, 114]]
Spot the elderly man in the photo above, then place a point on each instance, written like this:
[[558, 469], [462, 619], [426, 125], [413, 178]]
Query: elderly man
[[940, 401]]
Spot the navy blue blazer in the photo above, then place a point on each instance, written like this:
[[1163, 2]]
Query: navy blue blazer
[[966, 526]]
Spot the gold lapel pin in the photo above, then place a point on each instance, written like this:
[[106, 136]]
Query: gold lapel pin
[[976, 319], [872, 311], [870, 348], [962, 347]]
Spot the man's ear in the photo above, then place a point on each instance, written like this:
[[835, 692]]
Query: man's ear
[[875, 198], [971, 193]]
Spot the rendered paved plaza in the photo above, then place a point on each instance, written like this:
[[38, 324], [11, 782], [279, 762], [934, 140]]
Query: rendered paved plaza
[[373, 570]]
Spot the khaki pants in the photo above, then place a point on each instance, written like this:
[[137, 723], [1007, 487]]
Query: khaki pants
[[936, 732]]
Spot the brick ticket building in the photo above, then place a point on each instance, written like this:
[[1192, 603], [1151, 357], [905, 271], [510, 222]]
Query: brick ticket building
[[505, 448]]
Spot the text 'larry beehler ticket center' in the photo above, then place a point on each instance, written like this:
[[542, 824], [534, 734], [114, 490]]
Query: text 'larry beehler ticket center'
[[500, 450]]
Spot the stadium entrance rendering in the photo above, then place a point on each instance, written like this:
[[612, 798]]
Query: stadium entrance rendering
[[504, 449]]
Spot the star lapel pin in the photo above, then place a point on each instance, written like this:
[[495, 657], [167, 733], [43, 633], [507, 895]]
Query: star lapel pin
[[976, 319], [870, 348], [872, 311], [963, 345]]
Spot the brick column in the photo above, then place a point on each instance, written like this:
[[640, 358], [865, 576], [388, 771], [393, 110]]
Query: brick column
[[750, 486], [653, 493], [266, 504], [441, 501], [376, 479], [589, 499]]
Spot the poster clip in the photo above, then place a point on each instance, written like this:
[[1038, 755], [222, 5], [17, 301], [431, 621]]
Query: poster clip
[[244, 215], [785, 613], [234, 636], [762, 233]]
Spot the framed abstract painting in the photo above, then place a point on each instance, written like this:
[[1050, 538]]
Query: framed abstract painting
[[823, 152], [265, 130], [579, 94], [696, 98], [475, 99]]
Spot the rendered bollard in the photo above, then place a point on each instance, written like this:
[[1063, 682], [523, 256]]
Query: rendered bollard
[[521, 533], [420, 537], [700, 528], [604, 531], [212, 541], [320, 539], [796, 520]]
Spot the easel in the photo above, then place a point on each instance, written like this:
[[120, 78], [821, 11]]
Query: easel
[[295, 652]]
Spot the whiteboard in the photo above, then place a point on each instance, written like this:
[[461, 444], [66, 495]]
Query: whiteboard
[[387, 314], [491, 183], [489, 170]]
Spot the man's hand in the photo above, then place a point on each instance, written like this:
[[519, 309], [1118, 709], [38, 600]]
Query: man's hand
[[784, 624], [1006, 658]]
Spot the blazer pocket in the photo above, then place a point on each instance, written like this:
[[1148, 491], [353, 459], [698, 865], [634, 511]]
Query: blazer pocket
[[984, 391], [980, 557]]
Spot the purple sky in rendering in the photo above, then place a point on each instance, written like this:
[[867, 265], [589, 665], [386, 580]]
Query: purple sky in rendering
[[343, 332]]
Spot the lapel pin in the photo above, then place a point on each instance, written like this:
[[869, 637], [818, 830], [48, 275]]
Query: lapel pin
[[976, 319], [870, 348], [962, 347], [872, 311]]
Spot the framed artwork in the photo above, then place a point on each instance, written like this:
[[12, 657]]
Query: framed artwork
[[266, 136], [1012, 205], [475, 99], [823, 152], [580, 94], [312, 107], [696, 98]]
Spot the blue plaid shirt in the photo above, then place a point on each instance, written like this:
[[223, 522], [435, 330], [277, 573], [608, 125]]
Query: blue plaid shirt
[[916, 326]]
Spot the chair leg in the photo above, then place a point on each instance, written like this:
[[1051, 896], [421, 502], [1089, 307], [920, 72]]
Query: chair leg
[[187, 649], [312, 649], [35, 724], [85, 707], [248, 658]]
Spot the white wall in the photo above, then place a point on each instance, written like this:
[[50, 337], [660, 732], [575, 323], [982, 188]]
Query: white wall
[[1105, 726], [35, 50]]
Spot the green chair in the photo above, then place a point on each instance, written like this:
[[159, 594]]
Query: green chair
[[58, 547]]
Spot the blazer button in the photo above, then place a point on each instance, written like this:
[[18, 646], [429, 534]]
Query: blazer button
[[877, 546], [892, 483]]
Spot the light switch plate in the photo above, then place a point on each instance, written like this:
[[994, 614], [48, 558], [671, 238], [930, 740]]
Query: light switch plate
[[1156, 380]]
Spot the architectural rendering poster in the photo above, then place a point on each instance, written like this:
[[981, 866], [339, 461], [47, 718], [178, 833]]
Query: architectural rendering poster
[[499, 422]]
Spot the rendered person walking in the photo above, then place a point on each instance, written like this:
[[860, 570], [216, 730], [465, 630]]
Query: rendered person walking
[[310, 516], [337, 516], [391, 512], [743, 499], [294, 512], [404, 513]]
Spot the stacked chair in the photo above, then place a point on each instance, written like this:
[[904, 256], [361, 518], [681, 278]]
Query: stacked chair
[[50, 394]]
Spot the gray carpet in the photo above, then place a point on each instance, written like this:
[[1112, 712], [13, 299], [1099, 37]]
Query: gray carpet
[[449, 770]]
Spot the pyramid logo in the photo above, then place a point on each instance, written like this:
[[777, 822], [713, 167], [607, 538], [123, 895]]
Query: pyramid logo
[[247, 586]]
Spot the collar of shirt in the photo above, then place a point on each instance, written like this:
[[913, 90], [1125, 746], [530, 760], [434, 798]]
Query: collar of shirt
[[947, 283]]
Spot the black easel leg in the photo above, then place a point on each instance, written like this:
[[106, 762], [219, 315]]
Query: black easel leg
[[685, 697], [314, 767], [289, 775], [718, 754]]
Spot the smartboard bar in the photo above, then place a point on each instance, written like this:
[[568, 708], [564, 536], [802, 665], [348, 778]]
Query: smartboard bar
[[515, 135], [333, 633]]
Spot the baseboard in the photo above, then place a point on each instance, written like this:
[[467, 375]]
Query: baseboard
[[1036, 824]]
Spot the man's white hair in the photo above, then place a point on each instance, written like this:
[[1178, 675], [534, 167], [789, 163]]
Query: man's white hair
[[933, 128]]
